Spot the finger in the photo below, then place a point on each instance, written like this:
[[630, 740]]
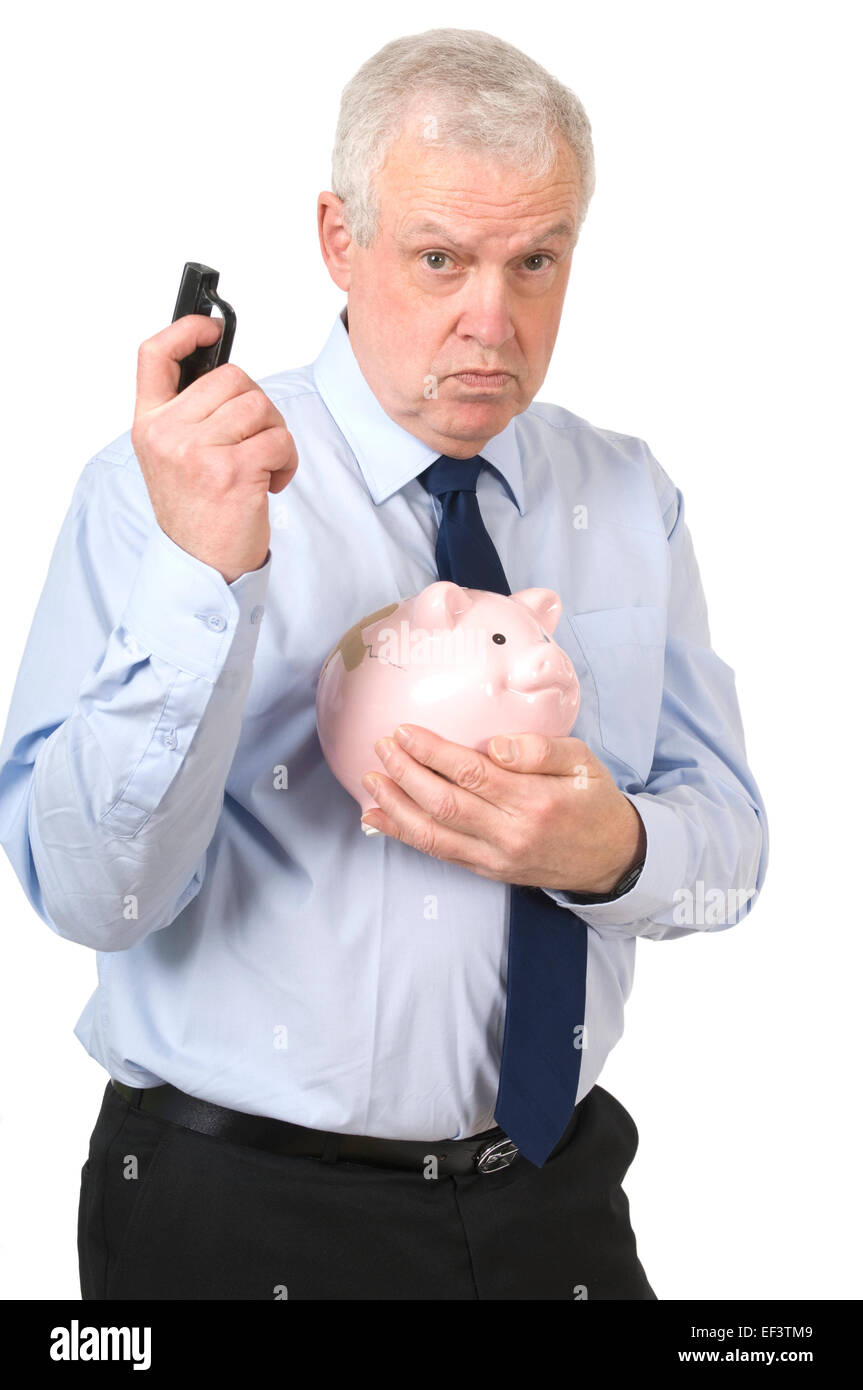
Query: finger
[[206, 396], [280, 477], [405, 821], [465, 767], [159, 358], [245, 414], [272, 450], [560, 757], [440, 798]]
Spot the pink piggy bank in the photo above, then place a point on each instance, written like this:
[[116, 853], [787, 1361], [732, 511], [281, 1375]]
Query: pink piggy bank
[[466, 663]]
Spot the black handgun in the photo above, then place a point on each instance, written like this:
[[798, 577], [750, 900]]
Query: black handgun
[[198, 296]]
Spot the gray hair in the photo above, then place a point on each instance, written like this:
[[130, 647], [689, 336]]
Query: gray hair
[[474, 91]]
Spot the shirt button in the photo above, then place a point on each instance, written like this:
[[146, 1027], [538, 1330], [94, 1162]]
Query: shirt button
[[170, 740], [257, 614], [214, 621]]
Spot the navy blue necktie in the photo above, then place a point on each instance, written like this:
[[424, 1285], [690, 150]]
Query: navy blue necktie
[[547, 963]]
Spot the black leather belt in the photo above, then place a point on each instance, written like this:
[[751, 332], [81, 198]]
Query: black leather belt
[[481, 1153]]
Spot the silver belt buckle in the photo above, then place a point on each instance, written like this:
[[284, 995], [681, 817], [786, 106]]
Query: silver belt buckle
[[495, 1156]]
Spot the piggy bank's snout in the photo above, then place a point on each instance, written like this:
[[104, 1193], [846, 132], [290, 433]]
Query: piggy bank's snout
[[544, 668]]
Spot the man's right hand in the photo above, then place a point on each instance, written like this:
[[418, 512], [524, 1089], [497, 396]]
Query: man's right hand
[[211, 454]]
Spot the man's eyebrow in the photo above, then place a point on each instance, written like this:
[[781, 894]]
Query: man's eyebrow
[[430, 228]]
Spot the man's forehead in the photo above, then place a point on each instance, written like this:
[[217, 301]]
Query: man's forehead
[[449, 192], [420, 226]]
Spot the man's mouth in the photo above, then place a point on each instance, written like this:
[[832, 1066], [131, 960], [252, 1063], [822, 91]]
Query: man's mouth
[[479, 376]]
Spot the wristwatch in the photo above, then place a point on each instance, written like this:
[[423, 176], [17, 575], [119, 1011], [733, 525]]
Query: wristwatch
[[623, 885]]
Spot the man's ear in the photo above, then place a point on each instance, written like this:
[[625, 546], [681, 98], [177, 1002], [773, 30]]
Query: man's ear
[[335, 239]]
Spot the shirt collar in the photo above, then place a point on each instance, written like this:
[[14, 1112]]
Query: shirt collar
[[388, 455]]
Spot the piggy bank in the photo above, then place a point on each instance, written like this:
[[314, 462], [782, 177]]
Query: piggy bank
[[466, 663]]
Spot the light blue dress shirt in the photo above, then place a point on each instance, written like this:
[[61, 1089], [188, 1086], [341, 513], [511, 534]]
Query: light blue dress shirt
[[164, 799]]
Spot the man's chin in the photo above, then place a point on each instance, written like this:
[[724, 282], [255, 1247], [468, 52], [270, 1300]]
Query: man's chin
[[471, 419]]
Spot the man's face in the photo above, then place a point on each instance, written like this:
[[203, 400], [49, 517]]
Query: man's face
[[468, 273]]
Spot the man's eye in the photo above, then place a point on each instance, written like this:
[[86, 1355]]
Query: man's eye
[[436, 255], [540, 256]]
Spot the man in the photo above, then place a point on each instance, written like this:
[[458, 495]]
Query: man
[[365, 1066]]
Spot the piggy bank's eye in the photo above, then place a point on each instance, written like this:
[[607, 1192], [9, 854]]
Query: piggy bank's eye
[[498, 637]]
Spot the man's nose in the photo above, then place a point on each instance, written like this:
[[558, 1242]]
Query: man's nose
[[486, 315]]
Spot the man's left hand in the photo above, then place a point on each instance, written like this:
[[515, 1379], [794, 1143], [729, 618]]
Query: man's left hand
[[551, 817]]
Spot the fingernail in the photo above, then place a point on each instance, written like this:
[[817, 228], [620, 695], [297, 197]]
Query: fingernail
[[505, 749], [384, 748], [369, 829], [404, 736]]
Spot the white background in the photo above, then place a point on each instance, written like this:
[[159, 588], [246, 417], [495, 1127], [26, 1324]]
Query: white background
[[714, 310]]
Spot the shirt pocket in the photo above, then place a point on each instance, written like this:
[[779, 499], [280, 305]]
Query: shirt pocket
[[619, 656]]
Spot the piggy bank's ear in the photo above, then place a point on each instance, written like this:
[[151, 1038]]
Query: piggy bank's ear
[[440, 605], [544, 604]]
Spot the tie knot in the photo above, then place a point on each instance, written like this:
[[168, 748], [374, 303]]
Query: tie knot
[[452, 475]]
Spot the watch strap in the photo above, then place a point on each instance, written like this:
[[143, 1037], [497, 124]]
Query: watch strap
[[623, 885]]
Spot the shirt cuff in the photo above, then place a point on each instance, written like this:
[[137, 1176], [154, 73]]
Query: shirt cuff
[[664, 870], [183, 610]]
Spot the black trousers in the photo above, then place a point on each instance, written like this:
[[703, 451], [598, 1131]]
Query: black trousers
[[166, 1213]]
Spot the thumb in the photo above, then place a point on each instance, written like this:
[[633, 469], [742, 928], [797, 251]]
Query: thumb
[[159, 358]]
